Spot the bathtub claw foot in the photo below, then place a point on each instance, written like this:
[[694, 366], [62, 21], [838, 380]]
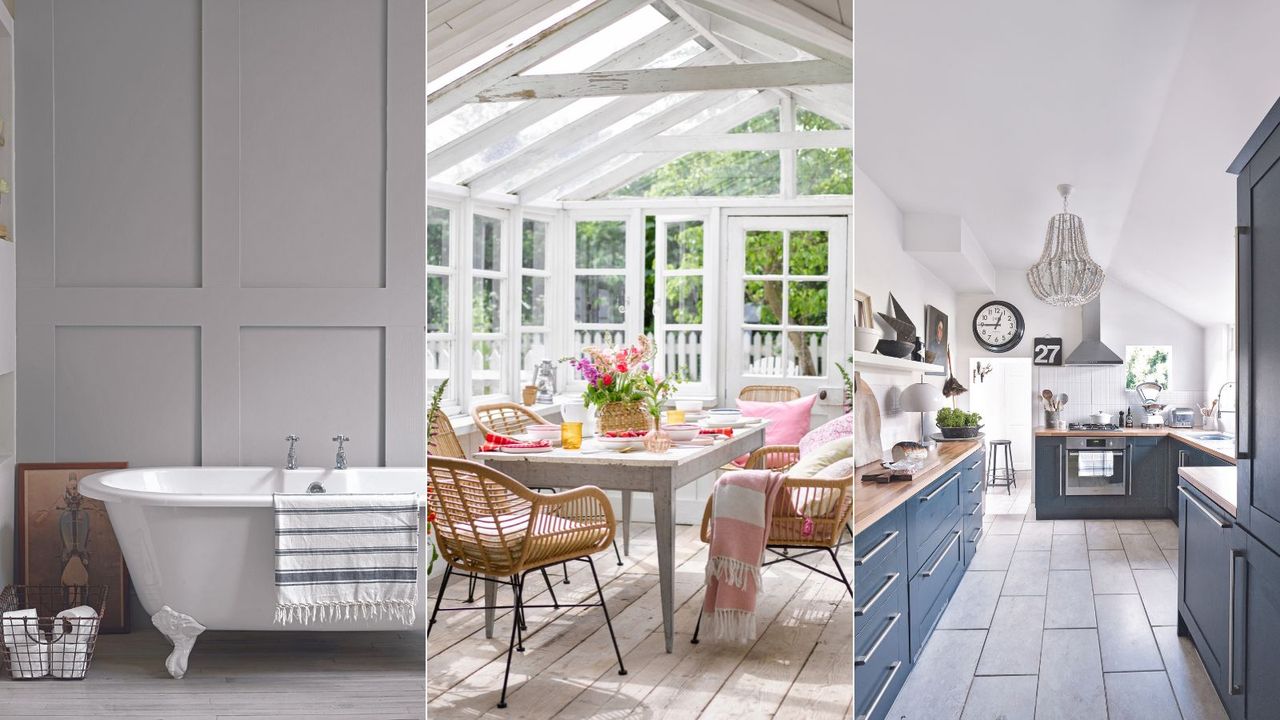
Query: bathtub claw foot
[[182, 630]]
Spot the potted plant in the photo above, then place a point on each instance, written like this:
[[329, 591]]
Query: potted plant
[[615, 384], [956, 423]]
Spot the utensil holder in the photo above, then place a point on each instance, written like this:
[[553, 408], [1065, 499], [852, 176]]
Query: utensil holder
[[1051, 419]]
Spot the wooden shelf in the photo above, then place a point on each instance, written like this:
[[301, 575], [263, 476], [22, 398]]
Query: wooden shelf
[[892, 364]]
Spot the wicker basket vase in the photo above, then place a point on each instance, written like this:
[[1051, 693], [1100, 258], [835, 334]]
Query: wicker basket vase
[[621, 416]]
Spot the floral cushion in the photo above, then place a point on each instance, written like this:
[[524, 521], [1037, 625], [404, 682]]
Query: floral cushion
[[831, 430]]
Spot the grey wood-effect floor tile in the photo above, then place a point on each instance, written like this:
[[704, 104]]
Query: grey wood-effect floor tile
[[939, 682], [1028, 574], [1070, 552], [1069, 603], [1143, 552], [1125, 635], [1013, 642], [1140, 696], [1191, 685], [1068, 527], [1001, 697], [994, 553], [1165, 532], [1006, 524], [1171, 557], [1071, 686], [1102, 535], [1159, 592], [974, 602], [1111, 573], [1035, 536], [1132, 527]]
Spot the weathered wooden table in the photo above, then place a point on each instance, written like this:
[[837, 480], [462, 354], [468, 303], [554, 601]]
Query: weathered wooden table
[[659, 474]]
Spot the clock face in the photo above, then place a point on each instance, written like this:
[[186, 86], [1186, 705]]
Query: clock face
[[998, 326]]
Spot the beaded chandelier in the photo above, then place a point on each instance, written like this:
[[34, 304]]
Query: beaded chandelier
[[1065, 275]]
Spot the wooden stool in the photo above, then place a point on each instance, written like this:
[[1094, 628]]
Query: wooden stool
[[1007, 472]]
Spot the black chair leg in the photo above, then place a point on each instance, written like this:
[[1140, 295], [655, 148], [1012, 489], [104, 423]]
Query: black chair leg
[[622, 670], [565, 568], [547, 579], [444, 582], [697, 628], [517, 585], [515, 629], [843, 577], [616, 553], [471, 590]]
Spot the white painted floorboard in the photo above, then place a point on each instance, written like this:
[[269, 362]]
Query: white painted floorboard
[[1084, 631]]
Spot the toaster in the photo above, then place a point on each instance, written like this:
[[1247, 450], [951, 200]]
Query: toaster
[[1182, 418]]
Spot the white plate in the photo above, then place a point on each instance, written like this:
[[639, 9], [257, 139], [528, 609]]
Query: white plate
[[721, 424], [619, 443], [524, 451]]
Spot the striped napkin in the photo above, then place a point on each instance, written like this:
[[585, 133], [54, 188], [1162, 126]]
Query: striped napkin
[[346, 557], [741, 510]]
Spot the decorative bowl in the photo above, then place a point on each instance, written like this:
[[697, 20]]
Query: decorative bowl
[[689, 405], [865, 339], [724, 415], [682, 432], [543, 432], [895, 348]]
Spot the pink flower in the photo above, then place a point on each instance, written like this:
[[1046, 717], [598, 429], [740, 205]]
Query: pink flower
[[606, 380], [622, 367]]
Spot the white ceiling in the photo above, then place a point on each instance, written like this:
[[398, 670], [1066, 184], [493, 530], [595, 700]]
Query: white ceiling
[[981, 108]]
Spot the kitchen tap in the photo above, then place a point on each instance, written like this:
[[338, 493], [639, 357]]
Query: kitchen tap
[[291, 463], [340, 462], [1221, 426]]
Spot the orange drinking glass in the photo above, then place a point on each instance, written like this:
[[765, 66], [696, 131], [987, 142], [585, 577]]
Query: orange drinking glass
[[571, 435], [675, 417]]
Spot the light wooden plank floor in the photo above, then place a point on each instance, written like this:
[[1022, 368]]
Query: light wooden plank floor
[[800, 665], [241, 675]]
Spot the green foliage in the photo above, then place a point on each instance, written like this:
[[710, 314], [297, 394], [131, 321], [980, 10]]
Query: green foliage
[[822, 171], [716, 173], [848, 383], [1147, 363], [955, 417]]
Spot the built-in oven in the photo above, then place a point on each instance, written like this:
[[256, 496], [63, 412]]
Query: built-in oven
[[1095, 466]]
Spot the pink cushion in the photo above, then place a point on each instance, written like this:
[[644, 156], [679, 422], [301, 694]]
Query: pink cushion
[[831, 430], [790, 421]]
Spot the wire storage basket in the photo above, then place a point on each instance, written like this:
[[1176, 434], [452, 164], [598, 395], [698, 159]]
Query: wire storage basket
[[49, 631]]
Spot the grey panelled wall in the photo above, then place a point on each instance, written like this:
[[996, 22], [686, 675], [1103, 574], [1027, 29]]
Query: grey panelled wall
[[223, 230]]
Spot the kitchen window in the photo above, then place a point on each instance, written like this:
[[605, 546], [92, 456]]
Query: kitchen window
[[1148, 363], [442, 302]]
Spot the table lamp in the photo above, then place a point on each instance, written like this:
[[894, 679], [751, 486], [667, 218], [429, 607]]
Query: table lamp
[[922, 398]]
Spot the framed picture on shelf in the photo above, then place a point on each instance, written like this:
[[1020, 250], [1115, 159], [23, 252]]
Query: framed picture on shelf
[[65, 538], [862, 313], [936, 334]]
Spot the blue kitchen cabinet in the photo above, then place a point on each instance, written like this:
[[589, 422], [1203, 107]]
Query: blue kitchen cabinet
[[1253, 670], [882, 656], [1148, 478]]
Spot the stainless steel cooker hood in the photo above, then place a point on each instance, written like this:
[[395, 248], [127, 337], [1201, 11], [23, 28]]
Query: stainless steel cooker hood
[[1091, 351]]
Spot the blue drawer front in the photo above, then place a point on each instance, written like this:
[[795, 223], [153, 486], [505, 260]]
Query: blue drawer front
[[881, 661], [930, 515], [879, 547], [931, 588]]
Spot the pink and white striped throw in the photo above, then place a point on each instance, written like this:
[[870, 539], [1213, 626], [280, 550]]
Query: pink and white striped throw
[[741, 508]]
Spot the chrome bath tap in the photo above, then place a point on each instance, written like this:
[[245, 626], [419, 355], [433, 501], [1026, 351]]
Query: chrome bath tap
[[340, 462], [291, 463]]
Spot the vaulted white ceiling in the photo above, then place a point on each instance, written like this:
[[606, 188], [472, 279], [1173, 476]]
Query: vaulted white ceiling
[[980, 108]]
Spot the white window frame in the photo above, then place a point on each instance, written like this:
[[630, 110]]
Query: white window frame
[[451, 402], [711, 318], [733, 274], [503, 275], [632, 270], [549, 308]]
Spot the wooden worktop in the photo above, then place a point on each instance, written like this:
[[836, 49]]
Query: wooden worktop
[[1217, 483], [1220, 450], [872, 501]]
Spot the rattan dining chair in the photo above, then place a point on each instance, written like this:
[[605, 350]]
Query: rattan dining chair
[[509, 419], [769, 393], [442, 441], [488, 524], [810, 515]]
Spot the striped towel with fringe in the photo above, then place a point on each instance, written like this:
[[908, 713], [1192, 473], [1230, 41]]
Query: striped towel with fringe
[[741, 509], [346, 557]]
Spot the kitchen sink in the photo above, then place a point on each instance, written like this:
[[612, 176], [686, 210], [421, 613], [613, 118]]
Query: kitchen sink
[[1214, 436]]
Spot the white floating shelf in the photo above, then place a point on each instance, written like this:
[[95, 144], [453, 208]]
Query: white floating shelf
[[893, 364]]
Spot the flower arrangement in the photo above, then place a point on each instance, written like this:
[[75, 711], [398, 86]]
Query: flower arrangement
[[615, 374]]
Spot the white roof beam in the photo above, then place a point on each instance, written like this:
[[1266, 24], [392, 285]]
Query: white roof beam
[[796, 140], [532, 51], [792, 22], [721, 122], [662, 80], [646, 50], [567, 136], [580, 164], [456, 35]]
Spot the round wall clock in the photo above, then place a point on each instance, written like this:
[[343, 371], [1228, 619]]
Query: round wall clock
[[998, 326]]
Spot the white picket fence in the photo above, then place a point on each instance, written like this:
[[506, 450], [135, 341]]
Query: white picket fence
[[764, 352], [682, 349]]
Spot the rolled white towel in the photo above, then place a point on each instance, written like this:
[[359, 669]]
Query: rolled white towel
[[20, 626], [79, 618], [68, 659]]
